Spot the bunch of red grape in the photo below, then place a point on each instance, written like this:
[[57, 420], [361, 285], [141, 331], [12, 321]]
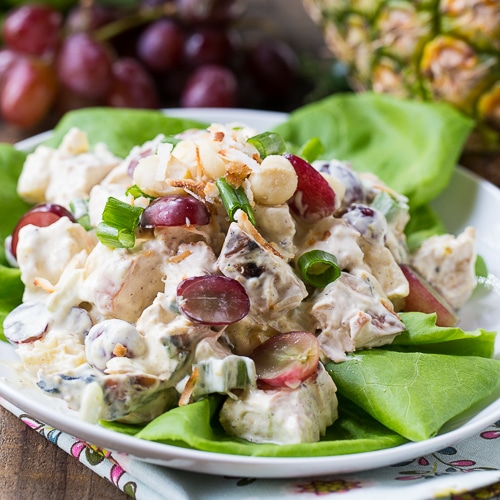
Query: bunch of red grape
[[160, 53]]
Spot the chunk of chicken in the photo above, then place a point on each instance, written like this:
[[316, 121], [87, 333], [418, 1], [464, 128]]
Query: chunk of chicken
[[448, 264], [270, 282], [283, 416], [352, 312], [67, 173], [122, 283], [44, 253]]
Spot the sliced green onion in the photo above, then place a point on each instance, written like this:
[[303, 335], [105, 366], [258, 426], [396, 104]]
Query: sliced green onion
[[119, 221], [319, 268], [136, 192], [170, 139], [80, 209], [268, 143], [311, 149], [391, 207], [480, 267], [234, 199], [113, 237], [120, 214]]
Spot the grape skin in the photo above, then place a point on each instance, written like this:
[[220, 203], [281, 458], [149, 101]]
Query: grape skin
[[160, 45], [287, 359], [28, 92], [208, 45], [213, 300], [175, 210], [84, 66], [41, 215], [210, 86], [32, 29], [314, 197], [132, 86]]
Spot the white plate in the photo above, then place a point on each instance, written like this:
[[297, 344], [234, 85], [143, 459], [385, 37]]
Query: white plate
[[467, 201]]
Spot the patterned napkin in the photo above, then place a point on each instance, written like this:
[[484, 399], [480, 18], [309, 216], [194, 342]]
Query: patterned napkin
[[468, 471]]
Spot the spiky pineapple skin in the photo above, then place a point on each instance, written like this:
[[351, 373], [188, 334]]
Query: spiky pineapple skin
[[444, 50]]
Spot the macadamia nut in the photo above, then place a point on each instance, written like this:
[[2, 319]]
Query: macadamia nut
[[275, 182]]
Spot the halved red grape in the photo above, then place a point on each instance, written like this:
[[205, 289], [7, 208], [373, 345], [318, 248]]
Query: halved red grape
[[314, 198], [175, 210], [287, 359], [26, 323], [212, 300], [42, 215], [425, 298]]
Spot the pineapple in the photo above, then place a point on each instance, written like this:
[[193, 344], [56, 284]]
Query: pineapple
[[444, 50]]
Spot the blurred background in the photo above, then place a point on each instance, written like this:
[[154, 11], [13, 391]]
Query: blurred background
[[58, 55]]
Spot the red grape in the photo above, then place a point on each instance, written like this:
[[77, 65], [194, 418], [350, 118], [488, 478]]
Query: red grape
[[213, 300], [28, 92], [41, 215], [7, 59], [273, 65], [32, 29], [88, 18], [287, 359], [210, 86], [175, 210], [354, 192], [208, 45], [370, 223], [425, 298], [84, 66], [314, 197], [211, 11], [160, 45], [132, 86], [26, 323]]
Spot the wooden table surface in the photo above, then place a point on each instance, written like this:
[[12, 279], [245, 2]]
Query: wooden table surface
[[33, 468]]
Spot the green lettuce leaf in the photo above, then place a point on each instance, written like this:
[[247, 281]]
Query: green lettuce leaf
[[11, 206], [119, 128], [424, 222], [387, 136], [11, 293], [415, 393], [423, 335], [11, 209], [196, 426]]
